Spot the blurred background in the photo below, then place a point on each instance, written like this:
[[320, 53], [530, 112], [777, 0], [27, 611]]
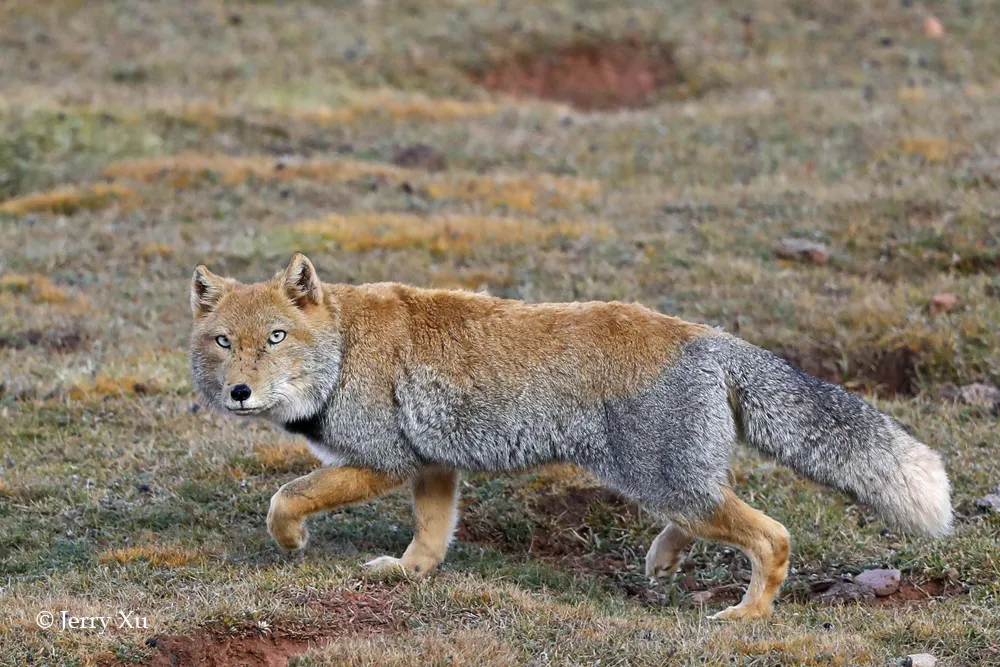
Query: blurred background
[[820, 178]]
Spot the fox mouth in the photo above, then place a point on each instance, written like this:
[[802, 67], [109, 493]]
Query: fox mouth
[[244, 411]]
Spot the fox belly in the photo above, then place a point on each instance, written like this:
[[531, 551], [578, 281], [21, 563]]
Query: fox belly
[[471, 428]]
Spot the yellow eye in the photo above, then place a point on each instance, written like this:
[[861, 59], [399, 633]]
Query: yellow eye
[[223, 342], [276, 337]]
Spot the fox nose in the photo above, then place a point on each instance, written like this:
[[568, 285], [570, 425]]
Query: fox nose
[[240, 392]]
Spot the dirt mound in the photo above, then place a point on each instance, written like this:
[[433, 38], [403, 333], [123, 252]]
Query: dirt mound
[[206, 649], [625, 74], [889, 373], [55, 340], [343, 613]]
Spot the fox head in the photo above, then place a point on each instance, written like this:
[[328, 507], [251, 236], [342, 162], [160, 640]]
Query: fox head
[[269, 349]]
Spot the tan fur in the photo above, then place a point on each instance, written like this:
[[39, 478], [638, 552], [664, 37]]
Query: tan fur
[[765, 542], [323, 489], [435, 508], [633, 343]]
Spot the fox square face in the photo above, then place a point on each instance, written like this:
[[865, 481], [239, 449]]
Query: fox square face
[[266, 349]]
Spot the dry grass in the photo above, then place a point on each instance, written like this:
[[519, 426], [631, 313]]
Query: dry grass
[[36, 287], [21, 291], [286, 457], [187, 170], [516, 193], [157, 555], [808, 650], [396, 107], [118, 386], [453, 235], [933, 149], [156, 251], [71, 200]]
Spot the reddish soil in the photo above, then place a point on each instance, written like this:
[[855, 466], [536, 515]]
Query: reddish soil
[[908, 593], [624, 74], [343, 613], [203, 648]]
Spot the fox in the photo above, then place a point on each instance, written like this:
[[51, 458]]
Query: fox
[[393, 385]]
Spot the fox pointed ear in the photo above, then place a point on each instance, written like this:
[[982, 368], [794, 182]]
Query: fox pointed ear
[[206, 291], [301, 283]]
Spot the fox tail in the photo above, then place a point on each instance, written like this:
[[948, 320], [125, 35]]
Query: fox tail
[[834, 437]]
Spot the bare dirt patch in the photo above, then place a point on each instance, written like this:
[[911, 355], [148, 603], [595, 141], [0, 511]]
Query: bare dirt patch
[[55, 340], [592, 77], [569, 527], [909, 593], [566, 519], [208, 649], [340, 614], [887, 372]]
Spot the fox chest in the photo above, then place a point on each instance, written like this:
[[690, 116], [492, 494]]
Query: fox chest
[[347, 433]]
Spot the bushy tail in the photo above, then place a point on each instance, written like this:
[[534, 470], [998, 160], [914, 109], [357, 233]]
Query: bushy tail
[[830, 435]]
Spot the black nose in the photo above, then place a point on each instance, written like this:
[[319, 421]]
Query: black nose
[[240, 392]]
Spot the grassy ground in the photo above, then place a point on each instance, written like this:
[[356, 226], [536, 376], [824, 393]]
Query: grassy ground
[[140, 139]]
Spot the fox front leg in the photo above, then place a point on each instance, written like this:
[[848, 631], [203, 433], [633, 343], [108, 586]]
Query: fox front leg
[[323, 489], [435, 508]]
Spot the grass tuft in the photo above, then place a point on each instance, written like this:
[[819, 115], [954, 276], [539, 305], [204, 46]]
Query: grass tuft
[[154, 554], [513, 192], [933, 149], [106, 386], [399, 108], [286, 457], [806, 650], [38, 289], [72, 199], [454, 235]]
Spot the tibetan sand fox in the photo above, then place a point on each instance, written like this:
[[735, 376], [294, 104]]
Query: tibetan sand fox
[[394, 384]]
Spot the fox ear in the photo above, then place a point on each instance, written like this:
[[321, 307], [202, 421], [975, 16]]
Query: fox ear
[[206, 291], [301, 283]]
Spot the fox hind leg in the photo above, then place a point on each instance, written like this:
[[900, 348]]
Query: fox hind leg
[[435, 508], [664, 556], [765, 542]]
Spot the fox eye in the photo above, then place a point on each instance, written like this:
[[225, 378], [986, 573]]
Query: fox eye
[[276, 337], [223, 342]]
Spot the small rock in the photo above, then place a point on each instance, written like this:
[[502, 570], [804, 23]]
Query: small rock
[[701, 597], [847, 591], [419, 156], [920, 660], [885, 582], [989, 503], [943, 303], [933, 27], [977, 393], [803, 250]]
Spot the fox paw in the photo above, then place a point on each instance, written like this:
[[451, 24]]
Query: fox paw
[[390, 564], [289, 533], [742, 612], [659, 564]]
